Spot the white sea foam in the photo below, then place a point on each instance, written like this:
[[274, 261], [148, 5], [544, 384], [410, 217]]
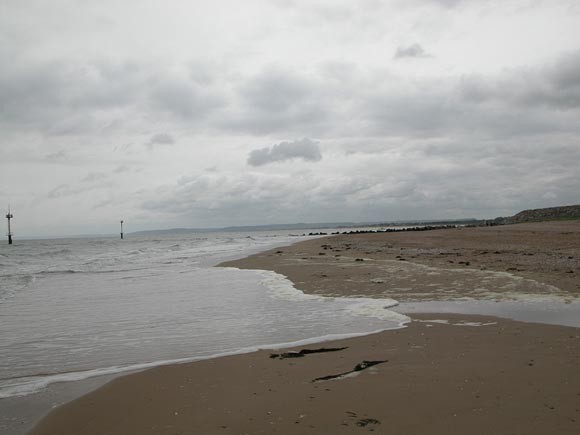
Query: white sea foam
[[32, 384], [377, 308], [448, 283], [280, 287], [429, 322]]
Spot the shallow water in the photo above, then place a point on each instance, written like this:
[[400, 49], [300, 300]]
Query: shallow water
[[553, 311], [76, 309]]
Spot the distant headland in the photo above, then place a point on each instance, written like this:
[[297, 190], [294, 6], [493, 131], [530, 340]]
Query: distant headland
[[567, 212]]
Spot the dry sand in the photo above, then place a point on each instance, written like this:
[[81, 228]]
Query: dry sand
[[501, 377], [541, 259]]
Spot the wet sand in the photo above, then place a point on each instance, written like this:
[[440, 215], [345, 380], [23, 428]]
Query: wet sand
[[443, 373], [503, 262]]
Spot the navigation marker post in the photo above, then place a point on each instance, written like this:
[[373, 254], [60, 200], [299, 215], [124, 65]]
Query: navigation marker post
[[122, 229], [9, 216]]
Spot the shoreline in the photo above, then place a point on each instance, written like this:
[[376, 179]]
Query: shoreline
[[447, 337], [539, 259], [432, 377]]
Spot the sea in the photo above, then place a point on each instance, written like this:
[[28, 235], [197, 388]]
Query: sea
[[76, 312]]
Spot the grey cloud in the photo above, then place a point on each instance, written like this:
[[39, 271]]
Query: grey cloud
[[440, 178], [410, 51], [184, 99], [58, 155], [417, 113], [314, 119], [345, 101], [428, 144], [93, 181], [523, 102], [94, 176], [55, 98], [58, 191], [275, 90], [475, 88], [564, 78], [305, 149], [275, 198], [566, 73], [72, 96], [105, 85], [120, 169], [280, 101], [556, 86], [28, 91], [124, 148], [161, 139], [448, 4], [339, 71], [213, 197], [203, 73], [61, 97], [64, 190]]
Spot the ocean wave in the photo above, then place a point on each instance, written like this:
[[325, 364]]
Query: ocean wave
[[281, 288], [10, 284], [377, 308], [63, 251], [58, 272]]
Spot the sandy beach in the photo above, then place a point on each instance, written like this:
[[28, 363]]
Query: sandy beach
[[442, 373], [502, 262]]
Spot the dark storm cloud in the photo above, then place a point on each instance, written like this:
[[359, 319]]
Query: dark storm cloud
[[410, 51], [305, 149]]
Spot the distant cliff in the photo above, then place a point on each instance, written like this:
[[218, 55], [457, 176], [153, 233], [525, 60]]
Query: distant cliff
[[545, 214]]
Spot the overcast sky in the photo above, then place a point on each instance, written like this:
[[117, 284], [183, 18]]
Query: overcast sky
[[189, 113]]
